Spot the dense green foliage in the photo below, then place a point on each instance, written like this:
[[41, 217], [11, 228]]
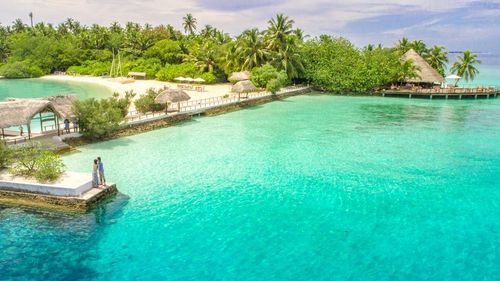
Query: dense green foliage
[[146, 102], [269, 77], [164, 53], [49, 167], [98, 118], [4, 155], [34, 160]]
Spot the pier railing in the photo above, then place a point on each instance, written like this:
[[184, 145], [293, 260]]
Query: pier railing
[[199, 105]]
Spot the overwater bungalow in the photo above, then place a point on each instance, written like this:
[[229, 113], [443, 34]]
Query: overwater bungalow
[[50, 112], [429, 83]]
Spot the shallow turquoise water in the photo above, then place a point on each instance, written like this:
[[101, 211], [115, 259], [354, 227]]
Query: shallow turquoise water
[[35, 88], [309, 188]]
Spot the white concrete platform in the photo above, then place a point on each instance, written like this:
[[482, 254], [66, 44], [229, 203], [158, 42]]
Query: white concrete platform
[[71, 184]]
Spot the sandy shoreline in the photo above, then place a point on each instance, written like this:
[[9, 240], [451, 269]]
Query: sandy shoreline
[[140, 86]]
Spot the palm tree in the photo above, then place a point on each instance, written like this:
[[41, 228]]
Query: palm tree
[[18, 26], [420, 47], [251, 48], [465, 66], [189, 23], [288, 59], [403, 45], [277, 31], [204, 57], [208, 31], [407, 71], [438, 58]]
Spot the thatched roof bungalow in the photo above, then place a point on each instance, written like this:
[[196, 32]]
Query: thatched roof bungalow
[[245, 86], [21, 111], [63, 106], [239, 76], [171, 96], [18, 112], [425, 72]]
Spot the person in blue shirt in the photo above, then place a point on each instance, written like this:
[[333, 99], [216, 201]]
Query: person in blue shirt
[[100, 167], [66, 126]]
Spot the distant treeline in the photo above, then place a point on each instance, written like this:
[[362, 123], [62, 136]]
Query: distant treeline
[[329, 63]]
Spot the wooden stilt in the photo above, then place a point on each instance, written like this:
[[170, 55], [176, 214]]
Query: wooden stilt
[[29, 131], [57, 125], [41, 122]]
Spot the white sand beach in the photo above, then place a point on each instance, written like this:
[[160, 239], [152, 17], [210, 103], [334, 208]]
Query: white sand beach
[[140, 86]]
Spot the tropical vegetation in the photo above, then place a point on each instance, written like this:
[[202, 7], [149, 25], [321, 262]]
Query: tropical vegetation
[[465, 66], [33, 160], [98, 117], [164, 53]]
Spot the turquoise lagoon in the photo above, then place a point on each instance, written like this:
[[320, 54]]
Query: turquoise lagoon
[[314, 187], [35, 88]]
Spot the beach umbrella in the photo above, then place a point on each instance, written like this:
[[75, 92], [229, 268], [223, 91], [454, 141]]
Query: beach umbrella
[[180, 79], [171, 96], [199, 80], [239, 76], [189, 79], [452, 77]]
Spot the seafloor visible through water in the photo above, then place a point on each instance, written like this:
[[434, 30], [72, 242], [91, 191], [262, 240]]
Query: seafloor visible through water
[[313, 187]]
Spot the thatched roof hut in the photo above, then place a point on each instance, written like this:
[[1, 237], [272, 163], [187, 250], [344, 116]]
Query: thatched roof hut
[[239, 76], [63, 106], [245, 86], [172, 95], [21, 111], [426, 73]]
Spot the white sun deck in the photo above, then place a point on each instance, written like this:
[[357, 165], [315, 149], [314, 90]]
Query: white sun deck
[[71, 184]]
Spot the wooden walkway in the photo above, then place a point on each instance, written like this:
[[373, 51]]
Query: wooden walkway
[[196, 107], [439, 95]]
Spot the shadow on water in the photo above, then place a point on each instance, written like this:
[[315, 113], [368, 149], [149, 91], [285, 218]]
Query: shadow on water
[[66, 242]]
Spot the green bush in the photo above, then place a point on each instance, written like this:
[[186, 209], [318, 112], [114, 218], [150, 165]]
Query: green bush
[[21, 70], [25, 159], [49, 167], [269, 77], [33, 160], [90, 67], [171, 71], [97, 118], [209, 78], [146, 102], [149, 66], [123, 103], [168, 51], [5, 154]]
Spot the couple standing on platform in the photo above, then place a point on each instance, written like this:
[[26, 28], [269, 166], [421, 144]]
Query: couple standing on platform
[[98, 169]]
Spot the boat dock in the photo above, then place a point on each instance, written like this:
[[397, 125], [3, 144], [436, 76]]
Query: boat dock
[[446, 94]]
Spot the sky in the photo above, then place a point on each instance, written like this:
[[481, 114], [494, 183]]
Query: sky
[[458, 24]]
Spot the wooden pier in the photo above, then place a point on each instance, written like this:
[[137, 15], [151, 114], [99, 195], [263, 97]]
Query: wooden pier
[[456, 95]]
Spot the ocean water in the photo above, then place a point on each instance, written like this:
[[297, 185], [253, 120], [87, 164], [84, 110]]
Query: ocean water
[[313, 187], [489, 76]]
